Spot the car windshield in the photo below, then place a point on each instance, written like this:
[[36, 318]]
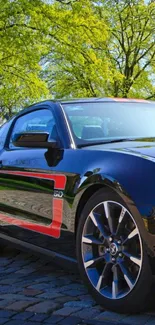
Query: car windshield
[[94, 122]]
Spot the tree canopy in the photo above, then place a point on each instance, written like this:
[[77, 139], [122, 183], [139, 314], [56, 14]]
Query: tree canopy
[[20, 54], [132, 48], [105, 48], [75, 48]]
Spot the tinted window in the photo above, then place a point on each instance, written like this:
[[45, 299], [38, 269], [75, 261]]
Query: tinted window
[[96, 121], [36, 121]]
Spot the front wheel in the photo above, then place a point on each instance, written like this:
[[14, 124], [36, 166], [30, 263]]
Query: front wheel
[[111, 255]]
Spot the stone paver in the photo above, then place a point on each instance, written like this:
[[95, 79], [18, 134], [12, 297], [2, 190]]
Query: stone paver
[[136, 319], [34, 291]]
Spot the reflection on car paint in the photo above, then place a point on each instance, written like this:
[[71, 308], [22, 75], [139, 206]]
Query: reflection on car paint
[[57, 205]]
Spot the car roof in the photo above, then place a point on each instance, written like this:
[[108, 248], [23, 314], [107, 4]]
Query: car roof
[[80, 100], [102, 99], [91, 100]]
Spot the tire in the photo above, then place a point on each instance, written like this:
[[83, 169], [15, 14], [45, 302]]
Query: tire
[[109, 243]]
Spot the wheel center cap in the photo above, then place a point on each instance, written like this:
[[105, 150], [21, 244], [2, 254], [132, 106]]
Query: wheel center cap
[[113, 249]]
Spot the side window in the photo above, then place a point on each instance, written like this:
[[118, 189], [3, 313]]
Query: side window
[[3, 133], [37, 121]]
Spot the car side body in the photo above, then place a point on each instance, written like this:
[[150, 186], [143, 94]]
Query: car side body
[[44, 190]]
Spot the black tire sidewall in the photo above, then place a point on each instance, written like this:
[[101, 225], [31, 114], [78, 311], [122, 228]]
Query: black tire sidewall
[[139, 298]]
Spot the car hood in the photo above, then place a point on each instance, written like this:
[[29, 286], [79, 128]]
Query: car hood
[[144, 148]]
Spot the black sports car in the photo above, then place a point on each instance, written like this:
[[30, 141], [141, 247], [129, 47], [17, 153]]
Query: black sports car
[[78, 176]]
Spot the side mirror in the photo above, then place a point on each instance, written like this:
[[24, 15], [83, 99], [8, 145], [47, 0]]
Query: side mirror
[[34, 140]]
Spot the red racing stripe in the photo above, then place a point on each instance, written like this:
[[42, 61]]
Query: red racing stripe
[[54, 228]]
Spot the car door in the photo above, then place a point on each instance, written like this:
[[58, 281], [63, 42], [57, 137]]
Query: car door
[[28, 180]]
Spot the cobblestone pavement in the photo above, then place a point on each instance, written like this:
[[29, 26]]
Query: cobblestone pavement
[[34, 291]]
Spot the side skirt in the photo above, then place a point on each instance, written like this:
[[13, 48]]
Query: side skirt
[[66, 262]]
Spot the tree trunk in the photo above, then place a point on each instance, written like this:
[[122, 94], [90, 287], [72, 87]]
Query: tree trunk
[[126, 88]]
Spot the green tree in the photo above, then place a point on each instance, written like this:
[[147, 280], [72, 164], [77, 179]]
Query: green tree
[[20, 53], [75, 48], [76, 64], [131, 48], [101, 48]]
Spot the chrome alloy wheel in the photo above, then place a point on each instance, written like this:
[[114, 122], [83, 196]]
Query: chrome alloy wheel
[[112, 250]]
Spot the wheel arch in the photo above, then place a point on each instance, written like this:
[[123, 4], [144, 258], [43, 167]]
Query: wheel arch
[[89, 191], [83, 200], [91, 185]]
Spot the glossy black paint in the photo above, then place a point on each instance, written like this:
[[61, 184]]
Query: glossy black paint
[[128, 168]]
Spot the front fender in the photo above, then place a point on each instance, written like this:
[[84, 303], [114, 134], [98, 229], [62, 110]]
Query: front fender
[[133, 178], [129, 175]]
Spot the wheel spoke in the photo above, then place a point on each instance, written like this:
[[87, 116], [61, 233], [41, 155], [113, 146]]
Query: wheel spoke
[[92, 216], [90, 239], [93, 261], [103, 275], [115, 288], [106, 257], [95, 219], [109, 217], [127, 276], [132, 234], [120, 220], [122, 214], [98, 286], [128, 281], [134, 259]]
